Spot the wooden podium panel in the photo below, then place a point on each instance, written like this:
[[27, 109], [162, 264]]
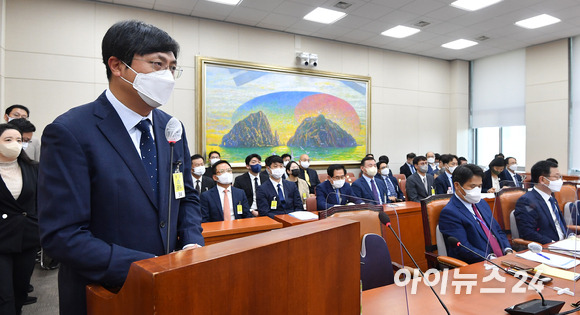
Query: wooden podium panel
[[306, 269], [215, 232], [406, 217]]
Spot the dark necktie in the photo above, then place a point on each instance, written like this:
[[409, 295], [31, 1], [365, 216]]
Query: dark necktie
[[391, 188], [555, 209], [338, 196], [375, 192], [148, 152], [198, 187], [412, 169], [281, 195], [255, 184], [492, 240]]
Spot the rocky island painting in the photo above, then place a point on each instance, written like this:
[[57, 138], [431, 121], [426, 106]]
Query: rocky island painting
[[274, 111]]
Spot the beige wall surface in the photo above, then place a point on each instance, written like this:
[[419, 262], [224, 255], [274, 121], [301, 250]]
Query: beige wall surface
[[53, 63]]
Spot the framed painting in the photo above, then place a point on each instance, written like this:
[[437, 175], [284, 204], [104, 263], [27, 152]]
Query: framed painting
[[246, 108]]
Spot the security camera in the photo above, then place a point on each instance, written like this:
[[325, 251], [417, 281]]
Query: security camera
[[303, 58], [313, 59]]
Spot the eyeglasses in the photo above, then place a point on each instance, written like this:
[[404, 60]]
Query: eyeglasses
[[158, 66], [339, 177], [229, 170]]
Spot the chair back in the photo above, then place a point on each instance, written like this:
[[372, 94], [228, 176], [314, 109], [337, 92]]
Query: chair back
[[403, 187], [441, 244], [311, 204], [505, 202], [400, 177], [369, 220], [568, 193], [513, 225], [430, 210], [350, 178], [376, 269], [322, 177]]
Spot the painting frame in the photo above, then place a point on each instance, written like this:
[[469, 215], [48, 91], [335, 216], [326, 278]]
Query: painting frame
[[204, 87]]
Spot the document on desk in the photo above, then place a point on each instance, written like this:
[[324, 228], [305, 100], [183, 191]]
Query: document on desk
[[556, 272], [569, 246], [550, 259], [303, 215]]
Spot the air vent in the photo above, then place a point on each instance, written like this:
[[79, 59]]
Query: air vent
[[342, 5], [481, 38], [421, 23]]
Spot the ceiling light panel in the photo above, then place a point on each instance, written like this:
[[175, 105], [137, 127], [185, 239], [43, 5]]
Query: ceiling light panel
[[459, 44], [537, 21], [228, 2], [400, 31], [325, 16], [473, 5]]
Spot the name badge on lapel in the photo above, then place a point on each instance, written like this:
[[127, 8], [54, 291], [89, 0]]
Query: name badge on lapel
[[178, 185], [274, 204], [240, 208]]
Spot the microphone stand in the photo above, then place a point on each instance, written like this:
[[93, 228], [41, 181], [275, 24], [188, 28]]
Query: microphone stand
[[171, 144]]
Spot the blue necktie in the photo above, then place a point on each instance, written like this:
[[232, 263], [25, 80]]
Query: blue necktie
[[390, 187], [375, 192], [148, 153], [281, 195], [556, 210], [338, 196]]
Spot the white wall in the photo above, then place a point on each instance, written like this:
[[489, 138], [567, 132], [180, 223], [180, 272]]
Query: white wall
[[53, 63]]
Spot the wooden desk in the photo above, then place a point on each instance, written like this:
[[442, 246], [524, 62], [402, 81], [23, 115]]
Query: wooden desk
[[391, 299], [406, 216], [216, 232], [288, 220]]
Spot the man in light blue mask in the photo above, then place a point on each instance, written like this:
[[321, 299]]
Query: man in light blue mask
[[105, 171], [251, 180]]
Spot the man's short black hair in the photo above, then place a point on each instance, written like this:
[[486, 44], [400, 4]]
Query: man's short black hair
[[12, 107], [251, 156], [333, 167], [370, 155], [418, 159], [411, 155], [497, 162], [273, 159], [460, 159], [384, 158], [214, 167], [499, 155], [197, 156], [380, 162], [447, 158], [437, 157], [126, 39], [507, 160], [285, 155], [23, 124], [366, 158], [542, 168], [553, 160], [465, 172], [212, 152]]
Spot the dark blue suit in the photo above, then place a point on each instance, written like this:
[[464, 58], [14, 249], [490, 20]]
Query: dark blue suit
[[431, 170], [361, 189], [398, 193], [455, 220], [267, 192], [506, 179], [211, 205], [97, 210], [442, 184], [324, 201], [534, 220]]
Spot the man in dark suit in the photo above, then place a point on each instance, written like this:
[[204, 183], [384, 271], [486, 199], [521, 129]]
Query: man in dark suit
[[366, 187], [538, 216], [308, 174], [491, 179], [443, 183], [335, 190], [509, 177], [408, 169], [251, 180], [393, 191], [277, 195], [103, 186], [201, 183], [470, 220], [224, 202], [212, 157], [420, 184], [433, 167]]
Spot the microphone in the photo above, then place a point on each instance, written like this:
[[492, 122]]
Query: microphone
[[173, 131], [537, 249], [530, 307], [384, 218]]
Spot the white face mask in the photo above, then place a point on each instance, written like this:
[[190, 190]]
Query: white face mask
[[451, 169], [155, 88], [385, 171], [225, 178], [278, 172], [472, 195], [371, 171], [555, 185], [305, 164], [286, 163], [10, 150], [214, 160], [431, 160], [199, 170], [513, 167], [338, 183], [24, 145]]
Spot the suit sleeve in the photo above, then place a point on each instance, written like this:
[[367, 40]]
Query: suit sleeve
[[64, 194], [352, 196], [440, 187], [486, 184], [412, 191], [246, 213], [204, 201], [263, 202], [450, 224], [526, 214], [321, 199], [298, 206], [356, 189], [316, 179], [395, 182]]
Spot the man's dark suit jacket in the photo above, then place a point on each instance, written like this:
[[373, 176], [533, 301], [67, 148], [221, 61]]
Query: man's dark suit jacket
[[431, 170], [506, 179], [211, 205], [398, 193], [416, 189], [534, 219], [206, 183], [244, 182], [361, 189], [406, 170], [267, 192], [442, 184], [314, 181], [97, 210], [324, 201], [455, 220]]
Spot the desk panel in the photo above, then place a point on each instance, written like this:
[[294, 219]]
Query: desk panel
[[216, 232], [406, 216]]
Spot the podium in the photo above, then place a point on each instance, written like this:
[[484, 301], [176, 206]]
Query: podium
[[306, 269]]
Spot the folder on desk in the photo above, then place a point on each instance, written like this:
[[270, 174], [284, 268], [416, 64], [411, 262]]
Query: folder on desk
[[569, 246], [559, 273], [550, 259]]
